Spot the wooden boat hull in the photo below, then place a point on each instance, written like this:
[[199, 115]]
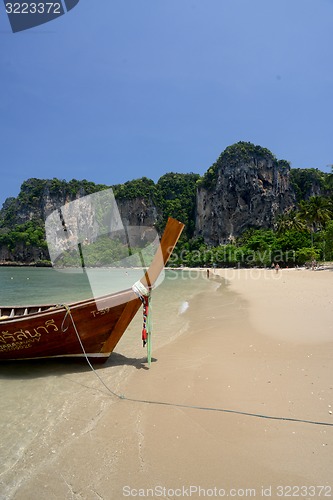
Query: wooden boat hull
[[91, 327], [42, 335]]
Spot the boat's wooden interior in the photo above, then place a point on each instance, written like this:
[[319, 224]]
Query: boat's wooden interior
[[14, 312], [7, 312]]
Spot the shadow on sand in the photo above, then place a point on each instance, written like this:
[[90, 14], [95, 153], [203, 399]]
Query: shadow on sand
[[30, 369]]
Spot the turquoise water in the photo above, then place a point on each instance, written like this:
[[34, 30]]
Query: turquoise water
[[170, 300], [29, 285]]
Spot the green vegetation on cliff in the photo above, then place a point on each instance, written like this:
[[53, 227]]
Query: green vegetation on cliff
[[175, 197], [30, 233], [137, 188], [308, 182]]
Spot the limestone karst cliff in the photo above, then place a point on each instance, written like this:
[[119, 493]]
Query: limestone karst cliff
[[247, 187]]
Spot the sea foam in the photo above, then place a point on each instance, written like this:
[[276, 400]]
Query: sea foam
[[183, 307]]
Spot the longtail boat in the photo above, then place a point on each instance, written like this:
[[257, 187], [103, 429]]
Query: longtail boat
[[89, 328]]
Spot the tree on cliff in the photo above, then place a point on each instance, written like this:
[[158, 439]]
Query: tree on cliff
[[315, 213], [289, 221]]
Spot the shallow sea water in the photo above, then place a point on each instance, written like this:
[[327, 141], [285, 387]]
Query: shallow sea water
[[37, 397]]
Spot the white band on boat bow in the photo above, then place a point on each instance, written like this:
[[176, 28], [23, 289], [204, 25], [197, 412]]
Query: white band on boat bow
[[140, 290]]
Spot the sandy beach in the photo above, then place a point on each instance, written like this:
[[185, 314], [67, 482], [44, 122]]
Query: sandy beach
[[236, 406]]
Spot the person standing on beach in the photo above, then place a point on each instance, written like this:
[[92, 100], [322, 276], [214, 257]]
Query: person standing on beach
[[277, 267]]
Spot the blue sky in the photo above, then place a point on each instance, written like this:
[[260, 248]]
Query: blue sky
[[120, 89]]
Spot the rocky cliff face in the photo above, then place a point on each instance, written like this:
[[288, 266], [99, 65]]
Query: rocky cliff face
[[137, 212], [39, 198], [22, 254], [36, 200], [247, 187]]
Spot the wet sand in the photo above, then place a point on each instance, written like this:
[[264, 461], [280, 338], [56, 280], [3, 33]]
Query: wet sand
[[263, 349]]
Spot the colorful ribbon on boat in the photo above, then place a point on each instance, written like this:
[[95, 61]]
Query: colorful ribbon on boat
[[145, 296]]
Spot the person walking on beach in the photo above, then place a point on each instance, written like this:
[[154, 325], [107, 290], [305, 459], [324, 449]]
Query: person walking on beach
[[277, 267]]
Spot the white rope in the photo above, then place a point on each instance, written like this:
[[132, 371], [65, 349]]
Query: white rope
[[69, 314], [140, 290]]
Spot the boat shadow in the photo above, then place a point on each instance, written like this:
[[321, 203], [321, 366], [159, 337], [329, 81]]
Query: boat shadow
[[30, 369]]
